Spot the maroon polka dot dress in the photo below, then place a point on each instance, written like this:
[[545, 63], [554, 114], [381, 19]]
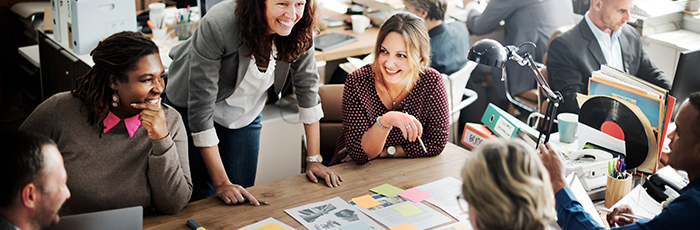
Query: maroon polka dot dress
[[427, 101]]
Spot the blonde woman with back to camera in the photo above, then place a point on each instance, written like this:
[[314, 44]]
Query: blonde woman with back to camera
[[507, 187]]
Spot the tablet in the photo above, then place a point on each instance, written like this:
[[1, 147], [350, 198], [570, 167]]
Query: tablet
[[332, 40]]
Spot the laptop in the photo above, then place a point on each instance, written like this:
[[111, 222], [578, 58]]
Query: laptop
[[118, 219], [330, 40]]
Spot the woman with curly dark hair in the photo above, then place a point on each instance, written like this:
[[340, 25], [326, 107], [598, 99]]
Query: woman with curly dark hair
[[121, 145], [219, 81]]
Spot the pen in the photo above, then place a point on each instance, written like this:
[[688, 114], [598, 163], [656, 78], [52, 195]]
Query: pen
[[422, 145], [150, 24], [189, 13], [606, 210], [194, 225]]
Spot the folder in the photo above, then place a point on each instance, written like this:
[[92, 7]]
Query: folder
[[505, 125], [475, 134]]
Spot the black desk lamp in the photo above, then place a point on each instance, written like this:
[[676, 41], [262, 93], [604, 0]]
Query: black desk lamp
[[491, 53]]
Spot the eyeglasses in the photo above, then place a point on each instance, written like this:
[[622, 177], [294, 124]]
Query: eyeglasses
[[462, 203]]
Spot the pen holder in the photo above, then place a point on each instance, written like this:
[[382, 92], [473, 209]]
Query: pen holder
[[616, 189], [184, 31]]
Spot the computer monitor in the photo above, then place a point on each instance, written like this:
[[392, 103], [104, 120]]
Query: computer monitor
[[184, 3], [687, 78]]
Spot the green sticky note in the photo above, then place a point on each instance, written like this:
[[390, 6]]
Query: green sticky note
[[387, 190], [408, 209]]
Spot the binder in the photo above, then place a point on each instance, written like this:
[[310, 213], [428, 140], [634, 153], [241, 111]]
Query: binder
[[505, 125], [475, 135]]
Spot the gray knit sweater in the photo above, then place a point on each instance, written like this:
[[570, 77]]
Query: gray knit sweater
[[115, 170]]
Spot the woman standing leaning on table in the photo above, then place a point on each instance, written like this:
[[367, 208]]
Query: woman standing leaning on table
[[121, 146], [219, 81], [396, 106]]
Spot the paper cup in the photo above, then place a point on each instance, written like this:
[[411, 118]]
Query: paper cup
[[359, 23], [568, 123], [159, 34], [616, 189]]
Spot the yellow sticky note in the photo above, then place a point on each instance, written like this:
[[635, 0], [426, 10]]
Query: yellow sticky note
[[270, 226], [387, 190], [404, 226], [408, 209], [365, 201]]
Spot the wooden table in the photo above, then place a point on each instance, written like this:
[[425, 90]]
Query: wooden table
[[296, 191]]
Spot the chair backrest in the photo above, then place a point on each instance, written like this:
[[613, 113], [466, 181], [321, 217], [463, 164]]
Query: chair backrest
[[331, 125], [455, 84]]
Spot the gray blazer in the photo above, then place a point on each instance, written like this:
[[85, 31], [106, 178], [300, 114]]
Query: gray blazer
[[205, 68], [575, 54], [525, 21]]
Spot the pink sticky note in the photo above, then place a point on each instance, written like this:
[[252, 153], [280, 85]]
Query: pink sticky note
[[415, 195]]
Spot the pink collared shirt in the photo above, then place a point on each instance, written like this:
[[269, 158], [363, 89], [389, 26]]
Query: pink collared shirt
[[132, 123]]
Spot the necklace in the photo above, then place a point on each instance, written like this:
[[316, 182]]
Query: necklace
[[393, 99]]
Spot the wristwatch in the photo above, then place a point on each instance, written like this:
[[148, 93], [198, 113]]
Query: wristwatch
[[315, 158], [391, 150]]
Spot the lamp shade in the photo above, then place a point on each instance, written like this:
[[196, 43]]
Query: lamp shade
[[488, 52]]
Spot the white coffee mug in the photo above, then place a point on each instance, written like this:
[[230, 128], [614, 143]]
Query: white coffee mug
[[359, 23]]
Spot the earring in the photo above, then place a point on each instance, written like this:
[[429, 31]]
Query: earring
[[115, 99]]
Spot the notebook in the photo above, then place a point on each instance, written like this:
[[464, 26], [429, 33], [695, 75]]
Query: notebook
[[117, 219], [332, 40]]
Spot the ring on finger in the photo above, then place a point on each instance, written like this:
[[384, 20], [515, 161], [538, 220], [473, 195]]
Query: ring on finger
[[408, 126]]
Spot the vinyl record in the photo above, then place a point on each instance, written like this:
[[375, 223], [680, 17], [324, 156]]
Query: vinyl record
[[611, 115]]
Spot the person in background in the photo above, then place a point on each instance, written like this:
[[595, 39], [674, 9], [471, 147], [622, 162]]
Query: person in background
[[525, 21], [448, 46], [681, 213], [507, 187], [122, 147], [602, 37], [33, 181], [398, 104], [243, 53]]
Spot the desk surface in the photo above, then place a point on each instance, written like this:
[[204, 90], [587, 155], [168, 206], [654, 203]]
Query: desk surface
[[296, 191]]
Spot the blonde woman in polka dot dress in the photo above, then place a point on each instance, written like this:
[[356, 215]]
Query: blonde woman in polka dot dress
[[398, 101]]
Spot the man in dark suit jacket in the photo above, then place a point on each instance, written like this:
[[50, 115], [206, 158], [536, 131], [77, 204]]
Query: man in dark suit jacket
[[602, 37]]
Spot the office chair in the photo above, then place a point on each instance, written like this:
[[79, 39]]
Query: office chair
[[456, 86]]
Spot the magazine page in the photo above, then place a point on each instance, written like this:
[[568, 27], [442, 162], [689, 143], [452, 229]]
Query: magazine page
[[396, 210], [464, 225], [445, 192], [334, 213]]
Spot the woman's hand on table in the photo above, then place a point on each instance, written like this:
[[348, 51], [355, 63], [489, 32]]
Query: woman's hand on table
[[152, 119], [314, 170], [234, 194]]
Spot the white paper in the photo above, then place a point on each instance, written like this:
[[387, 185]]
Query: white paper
[[445, 192], [583, 198], [387, 216], [641, 203], [464, 225], [329, 214], [264, 222]]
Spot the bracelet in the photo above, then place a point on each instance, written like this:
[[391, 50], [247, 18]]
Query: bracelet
[[381, 126]]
